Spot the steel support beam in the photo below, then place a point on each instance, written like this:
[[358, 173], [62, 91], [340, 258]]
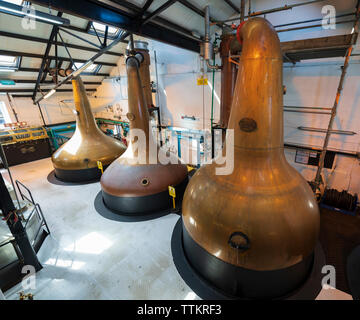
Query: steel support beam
[[103, 13], [121, 36], [44, 91], [234, 7], [60, 44], [40, 56], [25, 81], [158, 11], [138, 11], [36, 70], [47, 51]]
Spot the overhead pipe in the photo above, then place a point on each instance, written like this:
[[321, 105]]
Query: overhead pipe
[[267, 11]]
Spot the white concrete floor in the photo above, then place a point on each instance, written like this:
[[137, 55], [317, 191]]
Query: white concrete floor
[[90, 257]]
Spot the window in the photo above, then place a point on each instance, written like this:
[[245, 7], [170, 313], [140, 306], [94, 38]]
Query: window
[[100, 29], [9, 63], [4, 114], [18, 2], [93, 69]]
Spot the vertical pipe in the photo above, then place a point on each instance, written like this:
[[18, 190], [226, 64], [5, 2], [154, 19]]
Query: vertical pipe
[[41, 114], [207, 23], [242, 11], [158, 99]]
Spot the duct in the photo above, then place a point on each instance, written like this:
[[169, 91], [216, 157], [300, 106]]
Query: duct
[[137, 182], [76, 160], [252, 233]]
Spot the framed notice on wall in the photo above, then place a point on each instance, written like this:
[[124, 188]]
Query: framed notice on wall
[[312, 158]]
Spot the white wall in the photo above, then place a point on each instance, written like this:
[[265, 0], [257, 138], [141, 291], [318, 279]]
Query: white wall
[[53, 110], [309, 83]]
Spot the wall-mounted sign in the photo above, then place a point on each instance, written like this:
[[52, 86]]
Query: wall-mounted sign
[[312, 158], [7, 82], [202, 81]]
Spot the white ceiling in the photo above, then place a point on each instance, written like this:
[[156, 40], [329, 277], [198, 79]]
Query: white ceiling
[[177, 14]]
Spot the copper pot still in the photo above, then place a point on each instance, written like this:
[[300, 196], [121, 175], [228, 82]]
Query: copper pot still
[[141, 187], [77, 159], [252, 233]]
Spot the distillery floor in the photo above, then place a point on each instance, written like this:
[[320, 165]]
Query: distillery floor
[[89, 257]]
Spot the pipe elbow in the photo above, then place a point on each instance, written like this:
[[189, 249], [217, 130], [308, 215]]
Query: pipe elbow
[[216, 67]]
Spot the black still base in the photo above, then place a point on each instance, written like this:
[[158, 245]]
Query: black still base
[[109, 214], [213, 279], [84, 176], [144, 205]]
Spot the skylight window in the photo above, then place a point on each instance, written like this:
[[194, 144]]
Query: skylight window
[[9, 62], [18, 2], [100, 30], [93, 68]]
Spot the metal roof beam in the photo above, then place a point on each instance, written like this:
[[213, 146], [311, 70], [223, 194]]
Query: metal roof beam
[[234, 7], [36, 70], [59, 43], [108, 15], [31, 90], [40, 56], [158, 11], [53, 34], [27, 81]]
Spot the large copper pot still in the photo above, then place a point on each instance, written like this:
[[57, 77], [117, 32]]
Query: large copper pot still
[[252, 233], [77, 159], [141, 188]]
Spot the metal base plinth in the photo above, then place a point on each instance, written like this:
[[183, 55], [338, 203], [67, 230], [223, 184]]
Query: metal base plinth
[[115, 216], [144, 205], [78, 176], [212, 278]]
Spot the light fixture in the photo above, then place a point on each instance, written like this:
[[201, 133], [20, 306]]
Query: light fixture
[[49, 94], [7, 70], [82, 68], [10, 8]]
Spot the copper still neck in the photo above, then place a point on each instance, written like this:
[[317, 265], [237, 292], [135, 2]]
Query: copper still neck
[[138, 114], [145, 77], [257, 115], [85, 120], [228, 79]]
